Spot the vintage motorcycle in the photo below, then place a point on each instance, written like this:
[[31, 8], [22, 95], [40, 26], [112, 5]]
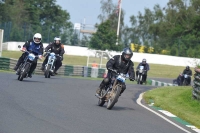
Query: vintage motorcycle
[[24, 67], [141, 72], [50, 66], [111, 92]]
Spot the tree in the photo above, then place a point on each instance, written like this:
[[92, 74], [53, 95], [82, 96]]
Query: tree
[[105, 38]]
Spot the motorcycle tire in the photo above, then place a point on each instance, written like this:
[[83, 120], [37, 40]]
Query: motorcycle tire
[[24, 72], [114, 99], [47, 72]]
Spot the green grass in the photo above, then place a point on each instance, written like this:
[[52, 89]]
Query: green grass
[[177, 100], [156, 70]]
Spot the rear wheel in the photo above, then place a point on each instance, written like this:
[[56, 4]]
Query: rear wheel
[[114, 95], [23, 72], [47, 72]]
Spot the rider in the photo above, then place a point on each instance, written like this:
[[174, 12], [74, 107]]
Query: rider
[[118, 64], [34, 46], [187, 71], [146, 68], [57, 48]]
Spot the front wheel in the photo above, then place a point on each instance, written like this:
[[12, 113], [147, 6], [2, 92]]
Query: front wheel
[[101, 101], [114, 95], [23, 72], [47, 72]]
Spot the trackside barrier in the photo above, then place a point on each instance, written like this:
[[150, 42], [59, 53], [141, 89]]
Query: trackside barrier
[[65, 70], [158, 83], [196, 86]]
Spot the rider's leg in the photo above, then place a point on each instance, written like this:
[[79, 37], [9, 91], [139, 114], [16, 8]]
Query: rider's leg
[[58, 64], [103, 83], [33, 66], [20, 60], [123, 88], [44, 63], [136, 75]]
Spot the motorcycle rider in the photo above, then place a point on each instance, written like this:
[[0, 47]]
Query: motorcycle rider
[[118, 64], [57, 48], [187, 71], [34, 46], [146, 68]]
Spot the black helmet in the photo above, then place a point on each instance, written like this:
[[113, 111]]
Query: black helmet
[[144, 61], [127, 51], [187, 67]]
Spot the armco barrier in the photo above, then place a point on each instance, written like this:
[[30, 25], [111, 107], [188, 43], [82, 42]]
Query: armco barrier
[[66, 70], [4, 63], [196, 86], [158, 83]]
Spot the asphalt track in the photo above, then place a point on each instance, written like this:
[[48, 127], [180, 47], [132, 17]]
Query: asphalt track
[[68, 105]]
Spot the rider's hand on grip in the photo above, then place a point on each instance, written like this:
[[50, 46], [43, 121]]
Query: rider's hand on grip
[[23, 49], [40, 57]]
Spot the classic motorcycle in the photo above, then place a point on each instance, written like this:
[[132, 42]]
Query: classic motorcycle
[[141, 72], [111, 92], [24, 67], [50, 66]]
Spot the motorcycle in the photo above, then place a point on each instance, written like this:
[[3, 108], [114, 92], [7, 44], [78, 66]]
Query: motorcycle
[[24, 67], [111, 92], [141, 72], [185, 81], [50, 66]]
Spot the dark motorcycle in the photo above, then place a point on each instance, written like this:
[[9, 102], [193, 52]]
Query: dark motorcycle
[[24, 67], [111, 92], [50, 66]]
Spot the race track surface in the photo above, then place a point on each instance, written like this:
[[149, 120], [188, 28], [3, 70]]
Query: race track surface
[[68, 105]]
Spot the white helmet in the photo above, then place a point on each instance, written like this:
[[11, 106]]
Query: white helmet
[[57, 39], [39, 36]]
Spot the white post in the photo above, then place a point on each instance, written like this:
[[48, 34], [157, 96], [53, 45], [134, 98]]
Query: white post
[[101, 58], [118, 26], [1, 41]]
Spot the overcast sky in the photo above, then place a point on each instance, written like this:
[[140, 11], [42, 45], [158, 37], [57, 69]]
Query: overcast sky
[[90, 9]]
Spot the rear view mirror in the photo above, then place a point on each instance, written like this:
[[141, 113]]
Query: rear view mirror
[[19, 46]]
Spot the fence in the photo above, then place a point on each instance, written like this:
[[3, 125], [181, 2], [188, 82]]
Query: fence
[[65, 70], [196, 86]]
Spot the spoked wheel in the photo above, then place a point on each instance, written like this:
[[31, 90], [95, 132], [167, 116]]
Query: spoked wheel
[[47, 72], [101, 101], [139, 78], [114, 95], [23, 72]]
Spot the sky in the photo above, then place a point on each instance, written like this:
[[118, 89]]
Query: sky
[[88, 10]]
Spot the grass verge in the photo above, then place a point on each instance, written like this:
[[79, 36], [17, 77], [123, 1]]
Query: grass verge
[[156, 70], [177, 100]]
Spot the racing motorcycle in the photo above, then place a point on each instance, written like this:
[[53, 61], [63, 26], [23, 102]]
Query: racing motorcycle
[[50, 66], [141, 72], [24, 67], [111, 92]]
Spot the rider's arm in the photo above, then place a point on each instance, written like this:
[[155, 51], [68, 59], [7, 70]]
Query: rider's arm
[[62, 50], [131, 71], [48, 47], [111, 62], [148, 67], [139, 66]]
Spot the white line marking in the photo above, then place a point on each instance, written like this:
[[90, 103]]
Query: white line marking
[[167, 113], [139, 102]]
